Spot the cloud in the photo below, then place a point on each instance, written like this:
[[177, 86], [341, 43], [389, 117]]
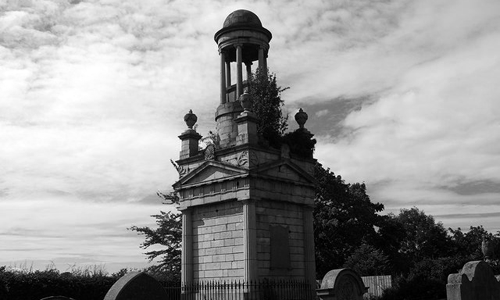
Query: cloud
[[400, 94], [67, 231], [322, 113], [434, 128], [91, 107]]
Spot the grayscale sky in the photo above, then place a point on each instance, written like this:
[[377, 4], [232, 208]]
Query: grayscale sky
[[401, 95]]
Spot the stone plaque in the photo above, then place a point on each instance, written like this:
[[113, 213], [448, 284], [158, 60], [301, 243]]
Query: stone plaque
[[280, 247]]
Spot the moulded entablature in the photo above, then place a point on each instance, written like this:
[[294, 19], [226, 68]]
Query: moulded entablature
[[251, 41]]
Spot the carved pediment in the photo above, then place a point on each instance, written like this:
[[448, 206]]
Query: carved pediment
[[210, 171], [284, 169]]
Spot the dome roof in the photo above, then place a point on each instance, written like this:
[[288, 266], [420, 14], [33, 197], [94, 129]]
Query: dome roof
[[242, 17]]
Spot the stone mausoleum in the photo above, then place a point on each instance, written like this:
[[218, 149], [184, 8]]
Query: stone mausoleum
[[246, 208]]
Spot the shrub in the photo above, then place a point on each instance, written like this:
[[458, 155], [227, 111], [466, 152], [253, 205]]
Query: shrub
[[35, 285]]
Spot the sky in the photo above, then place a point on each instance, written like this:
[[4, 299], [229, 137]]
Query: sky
[[401, 95]]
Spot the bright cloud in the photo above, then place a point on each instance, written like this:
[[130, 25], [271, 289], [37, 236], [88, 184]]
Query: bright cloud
[[436, 126], [401, 94]]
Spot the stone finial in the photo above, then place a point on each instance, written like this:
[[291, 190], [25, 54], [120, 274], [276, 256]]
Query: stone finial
[[190, 119], [301, 118], [246, 101]]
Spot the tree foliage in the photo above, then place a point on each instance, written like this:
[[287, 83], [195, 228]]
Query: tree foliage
[[27, 284], [468, 244], [301, 142], [368, 260], [267, 106], [423, 238], [167, 235], [344, 217]]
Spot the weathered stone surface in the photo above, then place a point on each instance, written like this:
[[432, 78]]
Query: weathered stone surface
[[474, 282], [218, 241], [189, 140], [136, 286], [342, 284], [242, 17]]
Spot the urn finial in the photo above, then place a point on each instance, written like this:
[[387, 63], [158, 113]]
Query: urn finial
[[301, 118], [190, 119]]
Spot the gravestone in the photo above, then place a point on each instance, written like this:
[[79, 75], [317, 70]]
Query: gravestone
[[342, 284], [136, 286], [475, 281]]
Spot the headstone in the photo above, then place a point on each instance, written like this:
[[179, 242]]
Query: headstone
[[136, 286], [474, 282], [342, 284]]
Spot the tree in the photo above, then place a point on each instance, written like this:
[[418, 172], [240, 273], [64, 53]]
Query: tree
[[344, 218], [389, 237], [424, 238], [168, 235], [267, 106], [368, 261], [468, 245]]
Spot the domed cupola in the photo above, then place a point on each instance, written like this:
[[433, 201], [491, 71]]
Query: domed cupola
[[242, 40]]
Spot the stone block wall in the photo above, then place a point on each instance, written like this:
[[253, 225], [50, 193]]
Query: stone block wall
[[218, 241], [226, 127], [289, 217]]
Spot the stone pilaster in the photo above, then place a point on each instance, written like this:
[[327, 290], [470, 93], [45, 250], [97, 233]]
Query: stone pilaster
[[187, 247], [249, 240], [309, 258]]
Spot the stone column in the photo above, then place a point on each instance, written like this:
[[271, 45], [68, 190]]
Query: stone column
[[249, 70], [262, 59], [249, 240], [222, 77], [309, 258], [239, 71], [187, 247], [228, 73]]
